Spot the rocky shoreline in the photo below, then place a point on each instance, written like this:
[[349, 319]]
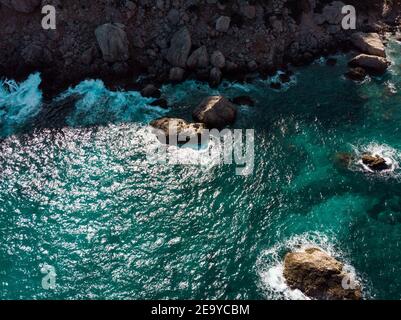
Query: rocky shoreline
[[172, 40]]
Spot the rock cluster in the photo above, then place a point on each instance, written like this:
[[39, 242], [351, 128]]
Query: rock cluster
[[168, 39]]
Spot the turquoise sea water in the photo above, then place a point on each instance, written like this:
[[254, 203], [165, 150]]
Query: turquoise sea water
[[85, 200]]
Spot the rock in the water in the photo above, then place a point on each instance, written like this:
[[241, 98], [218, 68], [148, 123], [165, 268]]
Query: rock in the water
[[372, 64], [318, 275], [275, 85], [216, 112], [369, 43], [176, 74], [217, 59], [113, 42], [180, 48], [331, 62], [150, 91], [199, 58], [170, 130], [356, 74], [375, 162], [162, 103], [223, 24], [25, 6], [244, 100]]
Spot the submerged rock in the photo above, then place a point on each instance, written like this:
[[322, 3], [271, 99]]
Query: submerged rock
[[244, 100], [318, 275], [215, 112], [331, 62], [375, 162], [162, 103], [372, 64], [369, 43], [275, 85], [356, 74], [175, 129]]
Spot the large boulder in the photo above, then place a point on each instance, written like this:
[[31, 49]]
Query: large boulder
[[373, 64], [369, 43], [25, 6], [215, 112], [113, 42], [319, 276], [199, 58], [180, 48], [175, 129], [218, 60]]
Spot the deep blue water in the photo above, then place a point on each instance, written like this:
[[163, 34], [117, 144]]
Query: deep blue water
[[85, 200]]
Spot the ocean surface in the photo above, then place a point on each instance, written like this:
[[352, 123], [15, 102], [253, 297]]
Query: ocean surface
[[84, 201]]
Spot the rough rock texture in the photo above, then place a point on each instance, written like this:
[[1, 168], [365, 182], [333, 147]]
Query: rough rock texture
[[169, 129], [369, 43], [373, 64], [160, 35], [356, 74], [113, 42], [25, 6], [179, 49], [318, 275], [215, 112], [375, 162]]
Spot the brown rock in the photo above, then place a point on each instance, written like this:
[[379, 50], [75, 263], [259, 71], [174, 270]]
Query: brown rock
[[215, 112], [373, 64], [369, 43], [318, 275], [375, 162], [171, 129]]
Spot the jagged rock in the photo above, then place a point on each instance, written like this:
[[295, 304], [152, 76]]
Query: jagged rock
[[244, 100], [150, 91], [356, 74], [318, 275], [176, 74], [180, 47], [173, 129], [372, 64], [199, 58], [217, 59], [113, 42], [369, 43], [215, 112], [215, 77], [375, 162], [223, 24], [25, 6]]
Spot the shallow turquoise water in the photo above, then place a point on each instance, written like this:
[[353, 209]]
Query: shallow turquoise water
[[85, 200]]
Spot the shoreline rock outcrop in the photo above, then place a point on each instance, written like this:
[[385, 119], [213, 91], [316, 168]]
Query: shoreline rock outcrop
[[318, 275], [375, 162], [177, 129], [216, 112], [374, 65]]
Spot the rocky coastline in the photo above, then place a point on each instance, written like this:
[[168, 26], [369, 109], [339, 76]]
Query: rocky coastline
[[171, 40]]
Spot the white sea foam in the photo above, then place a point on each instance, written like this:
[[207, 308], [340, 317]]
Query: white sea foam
[[100, 105], [389, 154], [270, 265], [19, 102]]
